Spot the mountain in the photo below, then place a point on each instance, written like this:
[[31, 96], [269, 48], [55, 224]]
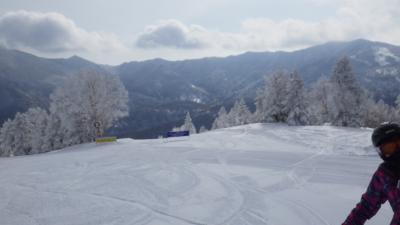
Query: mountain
[[162, 91], [27, 81]]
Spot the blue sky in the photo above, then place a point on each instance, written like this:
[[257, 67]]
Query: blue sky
[[112, 32]]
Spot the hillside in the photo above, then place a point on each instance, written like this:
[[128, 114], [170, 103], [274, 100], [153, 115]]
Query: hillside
[[254, 174], [161, 91]]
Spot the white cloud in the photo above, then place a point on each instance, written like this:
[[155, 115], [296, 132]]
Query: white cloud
[[51, 33], [375, 20], [171, 33]]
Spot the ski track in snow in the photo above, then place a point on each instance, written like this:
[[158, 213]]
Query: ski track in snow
[[236, 176]]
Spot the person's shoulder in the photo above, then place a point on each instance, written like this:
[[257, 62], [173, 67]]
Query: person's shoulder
[[386, 170]]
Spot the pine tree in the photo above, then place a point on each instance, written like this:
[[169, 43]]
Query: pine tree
[[239, 114], [271, 102], [188, 124], [377, 113], [221, 120], [203, 129], [296, 102], [320, 98], [347, 96]]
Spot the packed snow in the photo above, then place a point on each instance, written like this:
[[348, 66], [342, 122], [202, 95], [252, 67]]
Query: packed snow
[[253, 174]]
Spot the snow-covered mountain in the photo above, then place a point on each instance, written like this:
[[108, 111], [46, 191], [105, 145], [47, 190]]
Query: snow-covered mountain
[[161, 91], [255, 174]]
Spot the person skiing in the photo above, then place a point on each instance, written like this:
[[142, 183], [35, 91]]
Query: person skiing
[[385, 183]]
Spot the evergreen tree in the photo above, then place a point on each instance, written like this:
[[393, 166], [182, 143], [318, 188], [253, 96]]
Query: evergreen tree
[[239, 114], [320, 98], [188, 124], [377, 113], [271, 102], [221, 120], [203, 129], [347, 96], [297, 103]]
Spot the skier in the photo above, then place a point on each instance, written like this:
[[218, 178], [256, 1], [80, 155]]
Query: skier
[[385, 183]]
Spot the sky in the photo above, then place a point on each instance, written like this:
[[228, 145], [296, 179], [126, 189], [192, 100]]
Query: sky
[[113, 32]]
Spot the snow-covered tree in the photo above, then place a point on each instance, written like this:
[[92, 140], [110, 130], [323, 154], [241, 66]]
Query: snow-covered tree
[[347, 96], [91, 97], [21, 143], [7, 138], [187, 125], [319, 99], [14, 136], [377, 113], [25, 134], [271, 102], [55, 134], [203, 129], [397, 109], [221, 120], [239, 114], [297, 102], [37, 121]]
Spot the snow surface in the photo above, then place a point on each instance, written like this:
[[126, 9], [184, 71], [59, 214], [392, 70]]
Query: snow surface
[[382, 54], [253, 174]]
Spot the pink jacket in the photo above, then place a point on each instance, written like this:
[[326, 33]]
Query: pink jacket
[[383, 186]]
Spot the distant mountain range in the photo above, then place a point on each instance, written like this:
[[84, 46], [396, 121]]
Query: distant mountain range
[[162, 91]]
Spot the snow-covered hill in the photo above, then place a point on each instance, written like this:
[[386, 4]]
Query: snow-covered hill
[[254, 174]]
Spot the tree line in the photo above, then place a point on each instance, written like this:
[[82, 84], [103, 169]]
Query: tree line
[[84, 99], [92, 97], [338, 100]]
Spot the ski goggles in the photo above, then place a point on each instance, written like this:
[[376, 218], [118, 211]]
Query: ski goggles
[[389, 147]]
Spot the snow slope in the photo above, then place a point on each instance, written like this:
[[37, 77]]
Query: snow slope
[[254, 174]]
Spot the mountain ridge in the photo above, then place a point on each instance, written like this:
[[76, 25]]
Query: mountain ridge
[[162, 91]]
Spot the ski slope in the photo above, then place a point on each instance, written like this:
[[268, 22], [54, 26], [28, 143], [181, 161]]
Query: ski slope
[[254, 174]]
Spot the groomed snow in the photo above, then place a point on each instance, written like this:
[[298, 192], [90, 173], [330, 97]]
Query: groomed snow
[[254, 174]]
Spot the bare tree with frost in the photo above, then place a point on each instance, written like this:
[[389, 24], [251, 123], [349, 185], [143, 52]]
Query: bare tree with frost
[[377, 113], [23, 135], [89, 98]]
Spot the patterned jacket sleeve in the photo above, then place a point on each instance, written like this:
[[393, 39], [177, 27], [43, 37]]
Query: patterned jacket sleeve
[[371, 200]]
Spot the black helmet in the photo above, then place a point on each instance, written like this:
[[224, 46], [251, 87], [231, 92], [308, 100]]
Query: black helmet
[[385, 132]]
